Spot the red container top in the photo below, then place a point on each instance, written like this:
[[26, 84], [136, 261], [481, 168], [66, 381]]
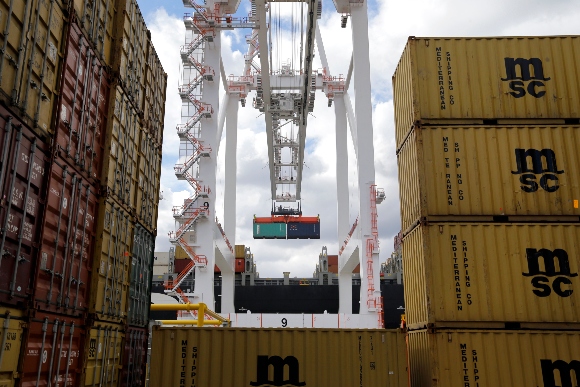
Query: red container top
[[81, 114], [24, 169], [53, 350], [63, 273]]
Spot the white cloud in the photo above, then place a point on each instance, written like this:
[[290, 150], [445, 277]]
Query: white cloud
[[390, 24]]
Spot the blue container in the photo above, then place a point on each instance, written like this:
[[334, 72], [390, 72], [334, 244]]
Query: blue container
[[303, 230]]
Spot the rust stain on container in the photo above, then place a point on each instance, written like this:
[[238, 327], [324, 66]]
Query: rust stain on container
[[63, 272], [473, 79], [486, 358], [489, 171], [81, 120], [148, 183], [134, 371], [129, 58], [30, 59], [96, 19], [11, 332], [24, 169], [140, 279], [103, 355], [111, 263], [119, 173], [243, 357], [466, 273], [53, 350]]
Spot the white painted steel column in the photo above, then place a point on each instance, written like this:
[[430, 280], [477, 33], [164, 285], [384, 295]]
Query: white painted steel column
[[205, 228], [364, 126], [230, 190]]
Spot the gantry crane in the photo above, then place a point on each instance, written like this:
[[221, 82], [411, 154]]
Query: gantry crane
[[285, 94]]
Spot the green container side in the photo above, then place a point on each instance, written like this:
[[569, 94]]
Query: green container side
[[269, 230]]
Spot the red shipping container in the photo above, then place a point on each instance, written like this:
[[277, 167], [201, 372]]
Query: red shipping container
[[180, 264], [24, 166], [65, 262], [240, 263], [81, 116], [53, 349], [134, 369]]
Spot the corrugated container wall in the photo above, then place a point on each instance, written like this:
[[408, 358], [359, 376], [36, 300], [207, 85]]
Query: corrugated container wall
[[476, 79], [148, 182], [473, 275], [129, 58], [119, 173], [81, 119], [11, 331], [33, 43], [269, 230], [140, 278], [303, 230], [240, 251], [133, 373], [494, 358], [489, 171], [155, 95], [103, 355], [314, 357], [66, 253], [53, 350], [111, 263], [97, 19], [24, 169]]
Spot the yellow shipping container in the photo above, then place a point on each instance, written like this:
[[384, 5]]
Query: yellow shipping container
[[489, 171], [474, 79], [207, 357], [155, 95], [11, 329], [494, 358], [130, 51], [180, 253], [471, 275], [240, 251], [103, 354], [148, 182], [111, 263], [97, 19], [119, 173], [32, 40]]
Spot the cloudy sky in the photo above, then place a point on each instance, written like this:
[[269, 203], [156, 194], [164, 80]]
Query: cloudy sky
[[390, 24]]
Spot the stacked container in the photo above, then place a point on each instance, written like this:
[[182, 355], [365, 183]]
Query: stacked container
[[79, 174], [487, 132]]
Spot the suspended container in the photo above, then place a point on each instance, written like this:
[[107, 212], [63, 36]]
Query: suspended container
[[492, 275], [96, 19], [484, 358], [140, 279], [24, 169], [53, 351], [134, 371], [451, 173], [33, 42], [11, 331], [111, 263], [103, 354], [473, 81], [148, 182], [81, 120], [119, 173], [155, 94], [297, 230], [62, 281], [269, 230], [130, 51], [313, 357]]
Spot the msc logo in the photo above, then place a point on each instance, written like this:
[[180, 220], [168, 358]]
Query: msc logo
[[564, 369], [541, 279], [543, 163], [263, 365], [518, 79]]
